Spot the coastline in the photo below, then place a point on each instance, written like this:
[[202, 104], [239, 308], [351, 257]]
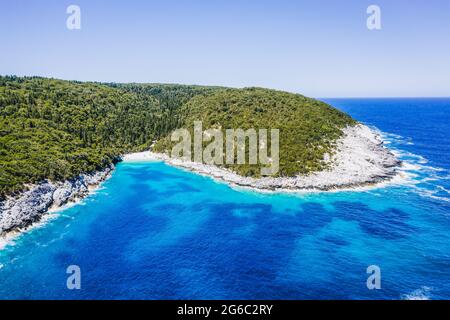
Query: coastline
[[22, 212], [360, 160]]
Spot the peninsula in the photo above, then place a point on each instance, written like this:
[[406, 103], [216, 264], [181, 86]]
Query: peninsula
[[60, 138]]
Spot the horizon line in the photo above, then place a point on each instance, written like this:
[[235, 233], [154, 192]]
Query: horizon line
[[225, 86]]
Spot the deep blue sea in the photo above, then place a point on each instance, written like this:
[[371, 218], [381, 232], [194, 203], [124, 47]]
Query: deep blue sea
[[157, 232]]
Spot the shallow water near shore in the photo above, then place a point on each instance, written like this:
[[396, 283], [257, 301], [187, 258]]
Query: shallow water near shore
[[157, 232]]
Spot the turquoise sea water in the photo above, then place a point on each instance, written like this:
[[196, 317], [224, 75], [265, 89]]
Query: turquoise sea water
[[157, 232]]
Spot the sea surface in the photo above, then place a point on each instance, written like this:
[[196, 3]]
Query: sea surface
[[156, 232]]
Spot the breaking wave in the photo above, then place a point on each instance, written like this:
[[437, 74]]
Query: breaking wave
[[423, 179], [420, 294]]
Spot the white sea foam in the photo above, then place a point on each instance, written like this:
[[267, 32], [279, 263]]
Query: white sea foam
[[420, 294], [424, 179], [10, 238], [443, 189], [431, 194]]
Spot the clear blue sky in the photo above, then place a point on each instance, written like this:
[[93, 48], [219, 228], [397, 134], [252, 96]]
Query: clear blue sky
[[320, 48]]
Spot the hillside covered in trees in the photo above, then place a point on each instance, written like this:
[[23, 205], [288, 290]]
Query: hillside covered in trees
[[308, 127], [55, 129]]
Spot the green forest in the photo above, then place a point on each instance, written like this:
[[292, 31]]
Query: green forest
[[56, 129]]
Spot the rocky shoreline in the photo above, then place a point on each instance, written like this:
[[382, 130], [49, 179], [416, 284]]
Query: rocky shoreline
[[360, 160], [18, 213]]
